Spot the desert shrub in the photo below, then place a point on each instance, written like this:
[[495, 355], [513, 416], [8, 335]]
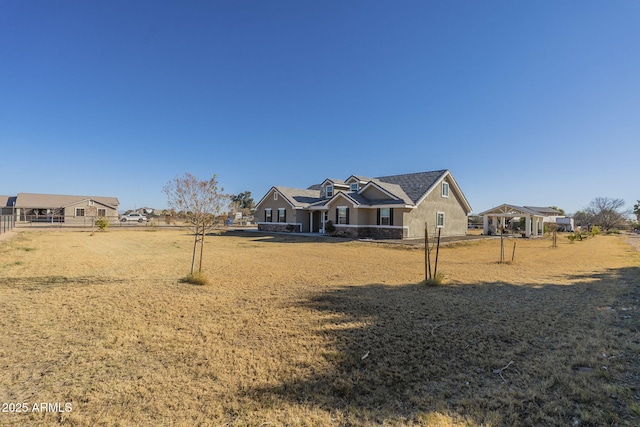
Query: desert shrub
[[595, 230], [102, 223], [437, 280], [577, 236], [613, 231], [196, 278]]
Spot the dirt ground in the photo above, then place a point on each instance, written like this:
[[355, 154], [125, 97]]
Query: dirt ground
[[316, 331]]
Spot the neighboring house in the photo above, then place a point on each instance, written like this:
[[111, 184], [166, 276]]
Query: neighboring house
[[396, 207], [535, 218], [63, 208], [6, 205]]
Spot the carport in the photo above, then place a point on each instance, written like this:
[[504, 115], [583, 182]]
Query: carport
[[496, 218]]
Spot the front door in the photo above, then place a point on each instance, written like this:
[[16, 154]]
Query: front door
[[316, 220]]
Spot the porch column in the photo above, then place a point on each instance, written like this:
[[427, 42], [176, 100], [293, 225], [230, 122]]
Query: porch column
[[527, 228], [322, 216], [311, 222], [485, 225]]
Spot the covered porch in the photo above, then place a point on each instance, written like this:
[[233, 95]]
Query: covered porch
[[495, 219]]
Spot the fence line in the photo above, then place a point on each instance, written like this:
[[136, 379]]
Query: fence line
[[89, 221], [7, 222]]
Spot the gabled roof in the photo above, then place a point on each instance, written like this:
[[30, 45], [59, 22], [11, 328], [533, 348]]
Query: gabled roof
[[297, 197], [354, 198], [335, 182], [34, 200], [544, 210], [358, 178], [408, 190], [394, 190], [7, 201], [510, 210], [415, 185]]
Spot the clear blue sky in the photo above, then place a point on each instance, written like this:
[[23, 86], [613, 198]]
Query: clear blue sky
[[534, 103]]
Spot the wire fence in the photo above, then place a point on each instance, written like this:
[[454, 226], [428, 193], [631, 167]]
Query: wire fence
[[7, 222], [61, 221]]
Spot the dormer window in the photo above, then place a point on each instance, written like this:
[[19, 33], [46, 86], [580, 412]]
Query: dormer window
[[329, 191], [445, 189], [354, 186]]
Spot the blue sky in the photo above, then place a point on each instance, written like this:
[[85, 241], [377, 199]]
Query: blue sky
[[533, 103]]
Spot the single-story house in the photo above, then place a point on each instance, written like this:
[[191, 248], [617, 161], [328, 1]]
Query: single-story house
[[396, 207], [62, 208], [6, 205], [535, 217]]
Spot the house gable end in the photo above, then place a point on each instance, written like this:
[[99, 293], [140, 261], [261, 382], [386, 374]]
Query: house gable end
[[372, 192], [341, 197], [270, 195], [447, 177]]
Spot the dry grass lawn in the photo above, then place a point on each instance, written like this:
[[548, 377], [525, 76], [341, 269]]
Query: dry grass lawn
[[297, 331]]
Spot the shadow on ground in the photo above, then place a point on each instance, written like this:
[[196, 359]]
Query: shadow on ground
[[490, 353], [269, 237]]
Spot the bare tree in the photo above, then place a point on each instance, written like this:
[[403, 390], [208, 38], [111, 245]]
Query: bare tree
[[605, 211], [203, 203]]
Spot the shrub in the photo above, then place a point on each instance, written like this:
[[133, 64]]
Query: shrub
[[437, 280], [329, 227], [595, 230], [102, 223], [196, 278], [577, 236], [613, 231]]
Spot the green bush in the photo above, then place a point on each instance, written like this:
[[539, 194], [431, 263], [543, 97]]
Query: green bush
[[595, 230], [577, 236], [329, 227], [102, 223]]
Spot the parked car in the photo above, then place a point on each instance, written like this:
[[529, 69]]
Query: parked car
[[133, 217]]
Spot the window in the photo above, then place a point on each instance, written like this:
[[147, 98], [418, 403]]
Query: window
[[440, 220], [354, 187], [79, 211], [329, 191], [267, 215], [385, 214], [342, 215], [445, 189], [282, 215], [275, 195], [102, 212]]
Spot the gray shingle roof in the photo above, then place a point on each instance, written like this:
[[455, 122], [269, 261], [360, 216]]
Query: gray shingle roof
[[415, 185], [394, 189], [299, 197], [409, 188]]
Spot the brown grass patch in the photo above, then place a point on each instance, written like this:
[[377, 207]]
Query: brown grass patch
[[329, 332]]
